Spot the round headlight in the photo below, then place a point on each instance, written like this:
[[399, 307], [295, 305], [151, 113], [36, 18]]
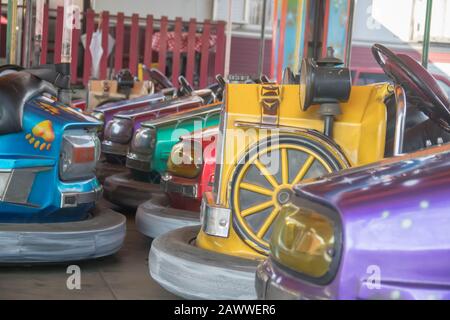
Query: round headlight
[[304, 241], [119, 130], [186, 159], [143, 140], [323, 83]]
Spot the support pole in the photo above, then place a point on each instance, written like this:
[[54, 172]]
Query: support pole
[[11, 33], [228, 42], [66, 52], [348, 45], [263, 39], [426, 34], [28, 29], [38, 32]]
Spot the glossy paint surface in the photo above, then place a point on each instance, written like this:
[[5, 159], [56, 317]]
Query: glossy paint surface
[[167, 135], [360, 132], [395, 216], [112, 108], [39, 145], [207, 138]]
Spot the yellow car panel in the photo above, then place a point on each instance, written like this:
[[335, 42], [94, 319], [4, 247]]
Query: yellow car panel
[[360, 131]]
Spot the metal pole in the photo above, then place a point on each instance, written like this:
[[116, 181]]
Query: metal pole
[[263, 39], [426, 34], [38, 32], [228, 42], [28, 30], [11, 40], [66, 52], [351, 15], [400, 120]]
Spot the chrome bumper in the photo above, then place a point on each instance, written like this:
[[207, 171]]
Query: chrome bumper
[[187, 190], [138, 162], [215, 219], [74, 199], [110, 147]]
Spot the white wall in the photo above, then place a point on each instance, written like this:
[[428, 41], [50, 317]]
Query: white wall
[[199, 9], [56, 3]]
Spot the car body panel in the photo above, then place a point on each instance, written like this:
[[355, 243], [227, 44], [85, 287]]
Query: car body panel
[[360, 133], [169, 129], [395, 219], [160, 109], [112, 108], [204, 181], [37, 147]]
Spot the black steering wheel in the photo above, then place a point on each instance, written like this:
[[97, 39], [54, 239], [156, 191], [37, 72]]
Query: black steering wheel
[[221, 89], [160, 81], [185, 88], [419, 85]]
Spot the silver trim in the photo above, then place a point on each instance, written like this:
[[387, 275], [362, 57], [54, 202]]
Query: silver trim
[[115, 148], [187, 190], [20, 184], [400, 120], [215, 219], [220, 156], [74, 199]]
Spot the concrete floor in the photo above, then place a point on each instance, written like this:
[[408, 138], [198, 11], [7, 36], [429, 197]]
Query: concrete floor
[[122, 276]]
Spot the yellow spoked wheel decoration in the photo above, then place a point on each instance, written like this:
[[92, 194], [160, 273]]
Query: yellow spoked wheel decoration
[[263, 184]]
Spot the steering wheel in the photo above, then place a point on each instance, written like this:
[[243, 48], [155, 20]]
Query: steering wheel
[[159, 79], [185, 87], [221, 89], [418, 83]]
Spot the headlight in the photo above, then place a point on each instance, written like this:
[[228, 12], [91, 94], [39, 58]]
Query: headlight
[[305, 241], [79, 154], [119, 130], [186, 159], [143, 141]]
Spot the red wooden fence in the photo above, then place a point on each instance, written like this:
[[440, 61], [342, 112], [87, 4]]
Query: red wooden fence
[[134, 37], [182, 47]]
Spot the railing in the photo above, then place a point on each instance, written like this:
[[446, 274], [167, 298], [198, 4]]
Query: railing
[[193, 49]]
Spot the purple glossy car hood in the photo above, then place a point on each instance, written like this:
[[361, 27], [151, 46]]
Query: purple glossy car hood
[[112, 108], [160, 109], [395, 218]]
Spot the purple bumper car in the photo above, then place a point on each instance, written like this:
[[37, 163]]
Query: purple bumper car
[[377, 232]]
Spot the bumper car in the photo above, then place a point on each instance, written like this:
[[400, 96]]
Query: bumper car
[[163, 89], [124, 87], [48, 188], [286, 140], [375, 232], [187, 177], [149, 151], [119, 131], [185, 180], [104, 112]]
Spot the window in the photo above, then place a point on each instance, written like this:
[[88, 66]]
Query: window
[[246, 13]]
